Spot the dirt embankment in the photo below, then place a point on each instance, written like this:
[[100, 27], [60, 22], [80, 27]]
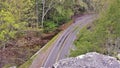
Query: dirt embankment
[[18, 50]]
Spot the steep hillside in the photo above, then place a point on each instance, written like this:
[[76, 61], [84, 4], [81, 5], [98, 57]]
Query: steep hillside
[[104, 34]]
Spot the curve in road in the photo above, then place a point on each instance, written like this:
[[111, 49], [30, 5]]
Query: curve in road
[[64, 42]]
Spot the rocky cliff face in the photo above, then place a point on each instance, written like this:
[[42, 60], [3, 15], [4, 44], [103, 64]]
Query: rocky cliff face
[[89, 60]]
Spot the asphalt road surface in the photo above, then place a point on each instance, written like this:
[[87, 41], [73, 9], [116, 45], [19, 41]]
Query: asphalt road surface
[[65, 41]]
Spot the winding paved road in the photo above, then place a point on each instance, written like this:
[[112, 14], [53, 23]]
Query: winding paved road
[[64, 42]]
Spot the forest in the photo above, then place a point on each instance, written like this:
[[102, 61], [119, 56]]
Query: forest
[[27, 25], [103, 35]]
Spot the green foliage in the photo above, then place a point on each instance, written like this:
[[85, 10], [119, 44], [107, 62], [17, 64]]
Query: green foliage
[[50, 26], [6, 22], [61, 16], [13, 17], [8, 26], [18, 15], [84, 43], [103, 35], [61, 11]]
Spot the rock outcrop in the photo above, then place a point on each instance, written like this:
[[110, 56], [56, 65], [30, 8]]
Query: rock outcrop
[[89, 60]]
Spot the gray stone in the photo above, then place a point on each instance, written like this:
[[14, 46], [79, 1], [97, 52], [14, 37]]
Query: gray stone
[[89, 60], [13, 67]]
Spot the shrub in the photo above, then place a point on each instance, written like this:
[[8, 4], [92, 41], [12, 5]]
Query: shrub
[[50, 26]]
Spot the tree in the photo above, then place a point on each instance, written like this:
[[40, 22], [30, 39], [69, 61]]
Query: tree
[[10, 21], [47, 5], [8, 26]]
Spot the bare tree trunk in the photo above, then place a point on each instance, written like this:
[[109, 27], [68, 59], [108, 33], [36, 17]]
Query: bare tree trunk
[[3, 43], [37, 24], [44, 12], [42, 22]]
